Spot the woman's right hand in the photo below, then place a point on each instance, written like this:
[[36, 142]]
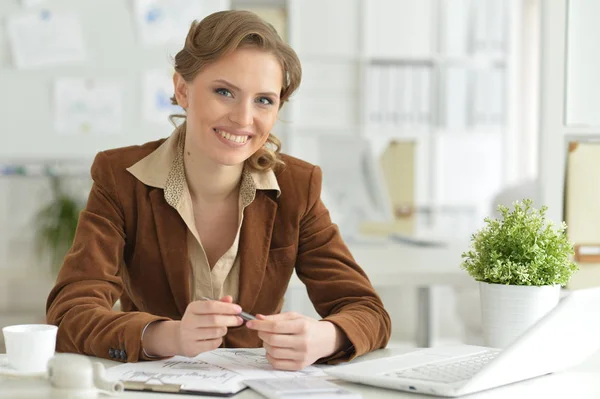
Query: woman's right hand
[[204, 324], [201, 329]]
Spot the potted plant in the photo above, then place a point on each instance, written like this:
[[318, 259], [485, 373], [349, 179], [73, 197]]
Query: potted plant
[[521, 260], [55, 224]]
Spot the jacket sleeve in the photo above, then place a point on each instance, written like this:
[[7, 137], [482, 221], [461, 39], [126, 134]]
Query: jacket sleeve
[[338, 288], [89, 282]]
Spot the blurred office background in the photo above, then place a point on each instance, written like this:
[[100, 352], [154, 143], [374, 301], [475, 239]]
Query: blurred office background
[[423, 115]]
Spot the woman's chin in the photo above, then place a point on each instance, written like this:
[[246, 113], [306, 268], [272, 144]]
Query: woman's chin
[[232, 160]]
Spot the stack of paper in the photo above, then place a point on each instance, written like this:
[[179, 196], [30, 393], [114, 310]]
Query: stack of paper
[[221, 371]]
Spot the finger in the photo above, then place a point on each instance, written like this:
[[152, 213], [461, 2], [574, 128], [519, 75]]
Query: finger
[[284, 364], [282, 340], [280, 316], [227, 299], [214, 307], [295, 326], [284, 353], [208, 333], [195, 348], [217, 320]]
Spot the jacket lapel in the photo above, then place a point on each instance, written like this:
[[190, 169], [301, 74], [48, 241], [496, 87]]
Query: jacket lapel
[[255, 241], [172, 233]]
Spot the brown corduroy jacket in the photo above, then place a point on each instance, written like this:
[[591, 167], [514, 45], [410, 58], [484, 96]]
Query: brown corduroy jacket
[[131, 245]]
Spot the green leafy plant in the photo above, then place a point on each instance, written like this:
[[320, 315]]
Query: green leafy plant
[[55, 225], [521, 248]]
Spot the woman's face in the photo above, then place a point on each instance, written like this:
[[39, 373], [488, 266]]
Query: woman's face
[[231, 105]]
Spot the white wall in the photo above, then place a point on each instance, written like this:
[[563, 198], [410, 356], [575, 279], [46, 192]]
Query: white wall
[[582, 64], [552, 149], [523, 118]]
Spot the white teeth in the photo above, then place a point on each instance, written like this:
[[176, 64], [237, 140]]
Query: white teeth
[[232, 137]]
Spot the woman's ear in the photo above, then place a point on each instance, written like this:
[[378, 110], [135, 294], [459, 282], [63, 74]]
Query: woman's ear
[[181, 90]]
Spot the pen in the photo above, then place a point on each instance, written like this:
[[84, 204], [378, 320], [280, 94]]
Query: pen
[[243, 315]]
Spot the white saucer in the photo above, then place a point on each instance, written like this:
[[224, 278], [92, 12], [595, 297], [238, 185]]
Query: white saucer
[[6, 370]]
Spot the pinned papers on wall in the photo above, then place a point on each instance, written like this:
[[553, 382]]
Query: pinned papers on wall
[[32, 3], [45, 39], [157, 89], [87, 106], [161, 21]]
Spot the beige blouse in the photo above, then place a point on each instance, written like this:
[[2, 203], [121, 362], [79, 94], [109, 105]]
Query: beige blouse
[[164, 168]]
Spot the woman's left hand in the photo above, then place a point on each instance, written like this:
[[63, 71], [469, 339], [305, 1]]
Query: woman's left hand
[[294, 341]]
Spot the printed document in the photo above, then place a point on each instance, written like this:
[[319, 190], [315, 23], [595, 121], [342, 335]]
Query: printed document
[[220, 371], [45, 39]]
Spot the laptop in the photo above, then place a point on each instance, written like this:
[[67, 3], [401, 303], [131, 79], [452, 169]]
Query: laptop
[[564, 337]]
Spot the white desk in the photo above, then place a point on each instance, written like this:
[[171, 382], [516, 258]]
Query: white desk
[[394, 264], [581, 382]]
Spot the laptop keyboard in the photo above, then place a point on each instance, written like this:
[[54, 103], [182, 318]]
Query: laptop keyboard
[[447, 371]]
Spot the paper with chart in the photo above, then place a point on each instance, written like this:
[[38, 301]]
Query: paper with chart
[[191, 374], [32, 3], [253, 363], [87, 106], [221, 370], [157, 89], [161, 21], [45, 38]]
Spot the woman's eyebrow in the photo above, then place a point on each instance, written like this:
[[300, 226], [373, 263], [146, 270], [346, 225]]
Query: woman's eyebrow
[[223, 81]]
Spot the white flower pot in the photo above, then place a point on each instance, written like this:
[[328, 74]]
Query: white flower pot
[[507, 311]]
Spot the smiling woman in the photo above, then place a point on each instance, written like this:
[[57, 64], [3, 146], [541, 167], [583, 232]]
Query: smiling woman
[[214, 211], [231, 106], [251, 52]]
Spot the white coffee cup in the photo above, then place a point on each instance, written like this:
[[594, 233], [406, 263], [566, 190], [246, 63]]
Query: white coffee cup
[[30, 346]]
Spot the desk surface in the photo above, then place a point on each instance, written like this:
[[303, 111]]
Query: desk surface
[[580, 382]]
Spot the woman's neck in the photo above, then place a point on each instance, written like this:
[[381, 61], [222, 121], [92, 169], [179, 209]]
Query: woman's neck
[[210, 182]]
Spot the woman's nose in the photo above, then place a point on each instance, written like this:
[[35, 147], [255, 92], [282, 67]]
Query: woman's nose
[[241, 114]]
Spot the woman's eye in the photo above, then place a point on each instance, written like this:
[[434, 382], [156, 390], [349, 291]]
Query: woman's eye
[[223, 92], [265, 101]]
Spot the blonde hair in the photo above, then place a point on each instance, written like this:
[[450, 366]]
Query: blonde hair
[[221, 33]]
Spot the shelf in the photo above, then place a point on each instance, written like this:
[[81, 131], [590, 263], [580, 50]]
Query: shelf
[[590, 133], [446, 206], [467, 131], [44, 169], [467, 61], [397, 134], [341, 130], [328, 58], [428, 61], [471, 61], [400, 132], [258, 3]]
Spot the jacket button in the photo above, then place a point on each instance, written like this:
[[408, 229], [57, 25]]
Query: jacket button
[[123, 355], [111, 353]]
